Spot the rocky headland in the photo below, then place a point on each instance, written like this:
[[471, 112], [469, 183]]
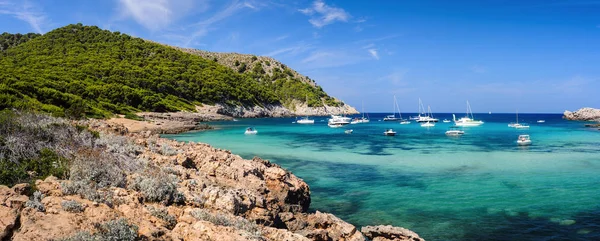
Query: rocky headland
[[138, 186], [583, 114]]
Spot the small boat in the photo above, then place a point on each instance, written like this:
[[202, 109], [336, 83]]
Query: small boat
[[446, 121], [335, 125], [404, 122], [389, 132], [348, 131], [426, 117], [363, 119], [524, 140], [454, 131], [541, 121], [428, 124], [251, 131], [234, 119], [393, 117], [517, 125], [305, 120]]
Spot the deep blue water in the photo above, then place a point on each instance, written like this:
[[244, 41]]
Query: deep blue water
[[480, 186]]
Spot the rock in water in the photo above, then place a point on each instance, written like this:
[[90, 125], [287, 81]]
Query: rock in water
[[583, 114], [388, 232]]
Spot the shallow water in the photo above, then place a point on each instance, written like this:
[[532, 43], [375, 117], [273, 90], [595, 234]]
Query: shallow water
[[480, 186]]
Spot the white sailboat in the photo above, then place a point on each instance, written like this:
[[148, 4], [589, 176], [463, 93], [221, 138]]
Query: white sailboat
[[306, 120], [363, 119], [428, 123], [517, 125], [426, 117], [468, 120], [392, 117]]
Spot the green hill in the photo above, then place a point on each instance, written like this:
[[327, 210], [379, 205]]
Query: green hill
[[81, 70]]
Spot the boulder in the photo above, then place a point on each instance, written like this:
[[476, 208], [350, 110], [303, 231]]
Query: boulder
[[583, 114], [389, 233]]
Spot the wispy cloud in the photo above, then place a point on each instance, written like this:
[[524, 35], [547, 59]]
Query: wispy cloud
[[294, 50], [25, 11], [373, 53], [371, 40], [158, 14], [323, 14]]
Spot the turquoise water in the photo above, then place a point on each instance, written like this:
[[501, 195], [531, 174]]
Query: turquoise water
[[480, 186]]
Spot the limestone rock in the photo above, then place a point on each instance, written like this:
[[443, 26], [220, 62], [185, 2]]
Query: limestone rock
[[323, 226], [389, 233], [8, 220], [583, 114]]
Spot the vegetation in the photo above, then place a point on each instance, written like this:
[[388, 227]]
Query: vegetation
[[251, 230], [8, 40], [77, 71], [36, 202], [113, 230], [72, 206]]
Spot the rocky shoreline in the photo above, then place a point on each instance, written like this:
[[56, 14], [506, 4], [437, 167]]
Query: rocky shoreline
[[583, 114], [216, 195]]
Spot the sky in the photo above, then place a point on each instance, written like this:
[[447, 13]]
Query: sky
[[500, 55]]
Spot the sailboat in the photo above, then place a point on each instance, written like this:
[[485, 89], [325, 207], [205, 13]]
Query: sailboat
[[426, 117], [428, 123], [392, 117], [305, 120], [363, 119], [517, 125], [468, 120]]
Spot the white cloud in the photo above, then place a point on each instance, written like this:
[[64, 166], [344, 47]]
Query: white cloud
[[26, 11], [158, 14], [373, 53], [322, 14], [294, 50]]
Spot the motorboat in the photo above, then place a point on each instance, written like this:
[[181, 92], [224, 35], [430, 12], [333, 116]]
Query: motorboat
[[413, 118], [348, 131], [541, 121], [524, 140], [404, 122], [428, 124], [447, 121], [250, 131], [305, 120], [454, 131], [389, 132], [426, 117], [338, 120], [390, 118], [468, 120]]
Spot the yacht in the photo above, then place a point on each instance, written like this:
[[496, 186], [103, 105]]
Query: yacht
[[541, 121], [250, 131], [454, 131], [338, 121], [428, 124], [305, 120], [426, 117], [517, 125], [393, 117], [524, 140], [404, 122], [468, 120], [389, 132], [446, 121]]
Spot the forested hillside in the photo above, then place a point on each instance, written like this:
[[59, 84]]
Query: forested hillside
[[8, 40], [81, 70]]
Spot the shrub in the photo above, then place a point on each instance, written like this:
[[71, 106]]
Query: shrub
[[115, 230], [250, 229], [72, 206], [98, 169], [162, 213], [158, 186], [87, 191], [36, 202]]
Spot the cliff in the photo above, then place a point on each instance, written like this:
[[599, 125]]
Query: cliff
[[583, 114], [137, 186]]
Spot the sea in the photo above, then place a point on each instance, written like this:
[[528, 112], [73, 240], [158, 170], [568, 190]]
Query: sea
[[479, 186]]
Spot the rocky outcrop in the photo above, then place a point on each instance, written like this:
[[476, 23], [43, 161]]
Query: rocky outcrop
[[389, 233], [300, 109], [583, 114], [221, 197]]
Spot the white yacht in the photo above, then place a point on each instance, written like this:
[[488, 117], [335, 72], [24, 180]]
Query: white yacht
[[428, 124], [389, 132], [338, 121], [468, 120], [363, 119], [393, 117], [426, 117], [305, 120], [454, 131], [524, 140], [517, 125], [250, 131]]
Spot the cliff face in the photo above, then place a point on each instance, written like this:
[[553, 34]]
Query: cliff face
[[583, 114], [282, 111], [173, 191]]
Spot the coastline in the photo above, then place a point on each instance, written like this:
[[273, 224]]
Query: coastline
[[222, 197]]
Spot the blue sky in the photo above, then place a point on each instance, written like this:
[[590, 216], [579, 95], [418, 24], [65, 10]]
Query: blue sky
[[535, 56]]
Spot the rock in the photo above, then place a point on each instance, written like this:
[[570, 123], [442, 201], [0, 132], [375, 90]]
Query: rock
[[274, 234], [324, 226], [583, 114], [389, 233], [22, 188], [8, 220]]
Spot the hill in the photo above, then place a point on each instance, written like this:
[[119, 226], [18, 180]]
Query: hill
[[81, 70]]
